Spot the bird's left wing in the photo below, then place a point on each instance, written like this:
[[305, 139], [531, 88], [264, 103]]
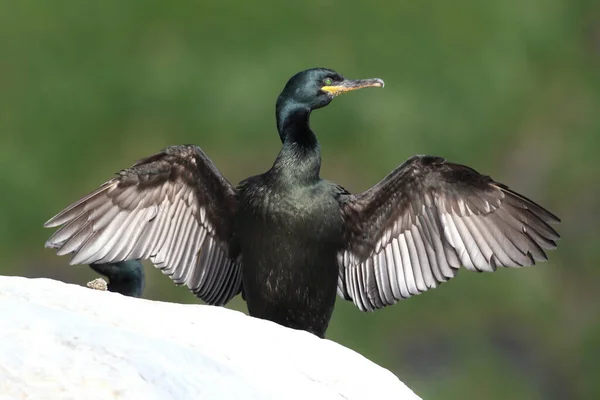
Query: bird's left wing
[[174, 208], [415, 228]]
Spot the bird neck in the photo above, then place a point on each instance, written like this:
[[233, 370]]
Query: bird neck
[[300, 157]]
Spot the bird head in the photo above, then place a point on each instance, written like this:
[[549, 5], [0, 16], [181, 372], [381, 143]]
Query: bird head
[[316, 87]]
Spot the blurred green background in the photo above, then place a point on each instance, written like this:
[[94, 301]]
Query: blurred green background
[[511, 88]]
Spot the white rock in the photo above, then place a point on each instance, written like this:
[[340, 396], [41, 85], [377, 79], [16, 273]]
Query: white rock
[[60, 341]]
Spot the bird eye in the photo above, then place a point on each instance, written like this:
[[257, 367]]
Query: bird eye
[[328, 81]]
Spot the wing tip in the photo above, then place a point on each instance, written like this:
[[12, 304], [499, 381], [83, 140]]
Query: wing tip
[[49, 244], [60, 251], [552, 218], [80, 258], [51, 223], [543, 258], [538, 210]]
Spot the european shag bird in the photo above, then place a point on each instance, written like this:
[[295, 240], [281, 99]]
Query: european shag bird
[[288, 238], [125, 277]]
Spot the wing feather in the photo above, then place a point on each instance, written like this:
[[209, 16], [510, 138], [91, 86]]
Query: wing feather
[[415, 228], [174, 208]]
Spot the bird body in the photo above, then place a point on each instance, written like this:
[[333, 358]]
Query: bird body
[[289, 240], [289, 236]]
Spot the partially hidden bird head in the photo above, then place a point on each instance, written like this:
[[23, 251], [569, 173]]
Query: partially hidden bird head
[[316, 87]]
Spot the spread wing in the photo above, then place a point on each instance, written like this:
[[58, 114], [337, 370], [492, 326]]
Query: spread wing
[[173, 208], [414, 229]]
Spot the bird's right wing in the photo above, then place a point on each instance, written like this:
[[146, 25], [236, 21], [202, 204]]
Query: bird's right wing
[[174, 208]]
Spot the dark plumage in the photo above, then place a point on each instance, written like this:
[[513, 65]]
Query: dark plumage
[[125, 277], [290, 238]]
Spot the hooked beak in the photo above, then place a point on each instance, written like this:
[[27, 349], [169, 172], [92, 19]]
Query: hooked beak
[[348, 85]]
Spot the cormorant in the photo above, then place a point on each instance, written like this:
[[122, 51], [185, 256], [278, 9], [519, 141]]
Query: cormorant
[[125, 277], [288, 238]]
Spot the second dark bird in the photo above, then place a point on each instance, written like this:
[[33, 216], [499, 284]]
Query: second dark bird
[[292, 240]]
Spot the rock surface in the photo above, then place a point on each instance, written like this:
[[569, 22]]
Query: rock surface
[[60, 341]]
